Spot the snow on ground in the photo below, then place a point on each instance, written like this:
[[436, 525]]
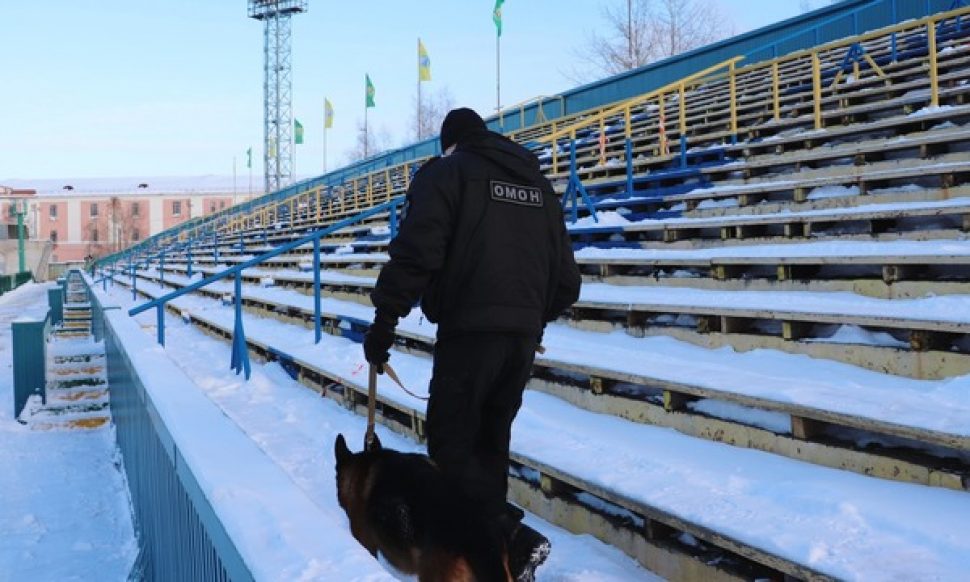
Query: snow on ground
[[896, 248], [937, 405], [64, 509], [586, 223], [945, 308], [953, 309], [846, 525], [296, 429]]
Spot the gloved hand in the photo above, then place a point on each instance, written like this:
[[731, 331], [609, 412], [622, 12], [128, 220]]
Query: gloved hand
[[377, 343]]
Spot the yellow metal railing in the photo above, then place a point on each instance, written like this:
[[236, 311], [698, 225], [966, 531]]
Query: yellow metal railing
[[540, 112], [626, 107], [779, 72]]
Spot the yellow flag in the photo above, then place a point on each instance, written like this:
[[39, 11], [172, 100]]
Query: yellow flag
[[327, 114], [424, 63]]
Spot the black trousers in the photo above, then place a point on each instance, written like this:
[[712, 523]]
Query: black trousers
[[476, 391]]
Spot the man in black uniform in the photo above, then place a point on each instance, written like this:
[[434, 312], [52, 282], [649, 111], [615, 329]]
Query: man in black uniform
[[484, 247]]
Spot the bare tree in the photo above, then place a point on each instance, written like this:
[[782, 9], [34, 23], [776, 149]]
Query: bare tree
[[639, 32], [809, 5], [96, 236], [434, 107], [368, 144]]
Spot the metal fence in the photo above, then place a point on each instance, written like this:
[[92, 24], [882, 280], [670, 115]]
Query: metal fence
[[179, 535]]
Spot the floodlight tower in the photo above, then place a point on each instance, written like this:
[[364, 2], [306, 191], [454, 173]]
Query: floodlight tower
[[277, 87]]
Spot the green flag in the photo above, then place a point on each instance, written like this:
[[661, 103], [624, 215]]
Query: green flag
[[297, 132], [497, 16], [249, 158], [369, 93]]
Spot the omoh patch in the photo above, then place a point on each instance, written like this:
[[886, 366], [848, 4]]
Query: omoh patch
[[516, 194]]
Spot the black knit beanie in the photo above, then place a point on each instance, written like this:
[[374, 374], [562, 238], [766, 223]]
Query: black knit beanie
[[457, 125]]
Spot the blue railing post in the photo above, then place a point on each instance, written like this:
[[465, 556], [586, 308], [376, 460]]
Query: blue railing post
[[316, 289], [242, 246], [575, 188], [56, 301], [240, 353], [892, 42], [188, 250], [134, 283], [104, 279], [629, 166], [161, 269], [29, 357], [393, 220], [683, 151], [215, 248], [160, 323]]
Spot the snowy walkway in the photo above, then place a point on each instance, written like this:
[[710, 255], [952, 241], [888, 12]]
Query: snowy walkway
[[846, 525], [64, 511], [296, 429]]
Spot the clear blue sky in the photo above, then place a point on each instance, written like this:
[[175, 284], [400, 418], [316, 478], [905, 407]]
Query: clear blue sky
[[174, 87]]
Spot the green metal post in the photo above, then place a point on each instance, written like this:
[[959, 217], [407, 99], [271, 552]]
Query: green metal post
[[29, 361], [21, 251]]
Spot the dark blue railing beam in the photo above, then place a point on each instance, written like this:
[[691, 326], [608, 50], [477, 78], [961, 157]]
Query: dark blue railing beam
[[308, 239]]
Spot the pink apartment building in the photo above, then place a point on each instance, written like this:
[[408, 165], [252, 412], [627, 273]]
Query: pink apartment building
[[98, 217]]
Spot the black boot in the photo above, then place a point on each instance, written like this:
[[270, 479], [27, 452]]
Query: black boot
[[527, 551], [527, 548]]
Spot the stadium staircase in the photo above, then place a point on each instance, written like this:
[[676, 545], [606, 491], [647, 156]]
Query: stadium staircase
[[775, 258], [76, 391]]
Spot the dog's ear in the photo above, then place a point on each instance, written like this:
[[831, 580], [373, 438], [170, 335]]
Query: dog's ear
[[340, 450], [374, 444]]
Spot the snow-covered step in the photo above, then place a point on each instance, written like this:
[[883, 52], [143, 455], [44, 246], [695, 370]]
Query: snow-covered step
[[900, 220], [922, 338], [790, 516], [790, 405], [888, 269], [77, 382]]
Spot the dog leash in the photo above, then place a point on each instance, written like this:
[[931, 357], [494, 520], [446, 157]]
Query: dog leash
[[371, 407], [393, 376], [372, 398]]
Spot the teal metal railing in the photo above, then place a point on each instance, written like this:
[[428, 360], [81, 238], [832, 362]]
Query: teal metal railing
[[180, 537], [29, 360]]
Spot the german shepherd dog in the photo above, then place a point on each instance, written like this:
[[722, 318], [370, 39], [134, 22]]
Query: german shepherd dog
[[403, 507]]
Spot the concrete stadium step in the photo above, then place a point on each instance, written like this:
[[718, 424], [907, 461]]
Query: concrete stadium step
[[921, 338], [823, 424], [888, 270], [648, 496], [77, 395]]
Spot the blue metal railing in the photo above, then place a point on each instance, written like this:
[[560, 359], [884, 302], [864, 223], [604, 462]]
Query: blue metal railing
[[240, 354], [180, 537]]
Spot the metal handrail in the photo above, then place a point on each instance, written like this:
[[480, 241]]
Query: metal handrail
[[623, 106], [240, 354], [539, 100]]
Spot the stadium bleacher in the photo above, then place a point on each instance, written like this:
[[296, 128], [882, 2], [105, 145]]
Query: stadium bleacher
[[775, 258]]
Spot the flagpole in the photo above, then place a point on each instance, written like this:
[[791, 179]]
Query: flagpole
[[420, 126], [365, 129], [325, 145], [498, 79]]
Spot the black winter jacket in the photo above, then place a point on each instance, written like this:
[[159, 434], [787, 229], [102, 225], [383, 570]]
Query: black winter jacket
[[482, 244]]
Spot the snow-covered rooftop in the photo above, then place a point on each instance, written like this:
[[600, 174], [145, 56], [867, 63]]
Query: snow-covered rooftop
[[155, 185]]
